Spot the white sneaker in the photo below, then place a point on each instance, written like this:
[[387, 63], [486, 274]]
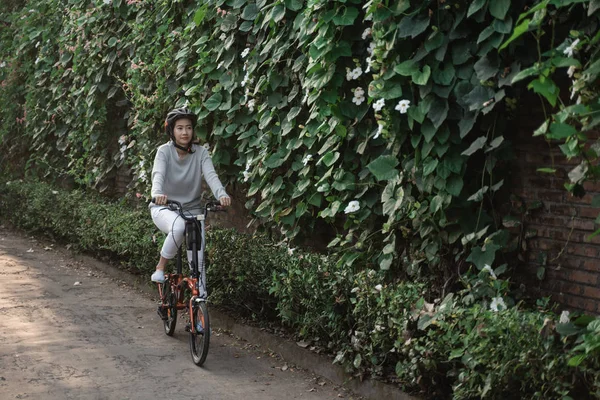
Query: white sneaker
[[158, 276]]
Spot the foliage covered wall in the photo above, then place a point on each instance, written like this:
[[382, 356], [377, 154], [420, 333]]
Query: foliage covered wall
[[385, 123]]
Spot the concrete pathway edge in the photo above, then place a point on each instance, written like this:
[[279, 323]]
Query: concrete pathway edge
[[290, 351]]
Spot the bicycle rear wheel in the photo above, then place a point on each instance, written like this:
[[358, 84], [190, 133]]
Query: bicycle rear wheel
[[170, 301], [200, 333]]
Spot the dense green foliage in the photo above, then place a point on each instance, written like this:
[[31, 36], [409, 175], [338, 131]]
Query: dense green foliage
[[386, 121], [83, 220], [385, 330]]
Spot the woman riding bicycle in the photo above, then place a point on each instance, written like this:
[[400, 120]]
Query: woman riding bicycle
[[179, 167]]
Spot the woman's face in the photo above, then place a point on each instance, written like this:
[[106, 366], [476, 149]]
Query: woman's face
[[183, 131]]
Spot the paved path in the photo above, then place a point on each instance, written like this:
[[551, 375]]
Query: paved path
[[102, 339]]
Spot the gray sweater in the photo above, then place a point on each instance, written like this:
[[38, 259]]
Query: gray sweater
[[180, 179]]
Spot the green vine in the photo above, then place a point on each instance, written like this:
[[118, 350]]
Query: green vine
[[383, 125]]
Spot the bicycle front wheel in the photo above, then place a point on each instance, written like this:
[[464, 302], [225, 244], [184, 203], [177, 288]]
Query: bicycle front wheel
[[200, 333], [170, 301]]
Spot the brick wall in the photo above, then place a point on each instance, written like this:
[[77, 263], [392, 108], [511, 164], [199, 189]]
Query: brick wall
[[563, 226]]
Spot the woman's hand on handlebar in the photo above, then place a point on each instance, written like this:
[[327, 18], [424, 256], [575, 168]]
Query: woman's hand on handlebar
[[225, 201], [160, 199]]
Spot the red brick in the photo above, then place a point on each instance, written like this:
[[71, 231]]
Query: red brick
[[583, 224], [572, 262], [569, 287], [549, 220], [592, 264], [547, 245], [587, 278], [583, 250], [592, 292], [589, 212], [563, 209], [565, 234], [590, 186], [580, 303], [587, 199], [557, 196], [591, 239]]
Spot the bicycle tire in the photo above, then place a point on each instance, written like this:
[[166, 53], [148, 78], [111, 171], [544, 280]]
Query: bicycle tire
[[200, 338], [169, 299]]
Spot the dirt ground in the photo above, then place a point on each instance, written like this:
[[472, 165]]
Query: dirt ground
[[69, 331]]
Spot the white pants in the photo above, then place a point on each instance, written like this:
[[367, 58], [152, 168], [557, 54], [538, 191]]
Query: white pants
[[173, 225]]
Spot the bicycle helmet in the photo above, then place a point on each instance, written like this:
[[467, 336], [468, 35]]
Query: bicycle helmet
[[172, 117]]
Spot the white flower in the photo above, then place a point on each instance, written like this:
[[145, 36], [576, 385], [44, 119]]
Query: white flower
[[353, 206], [250, 105], [246, 176], [564, 317], [290, 251], [490, 270], [307, 159], [359, 96], [366, 33], [353, 74], [378, 288], [369, 65], [122, 139], [2, 64], [348, 74], [568, 51], [379, 130], [497, 304], [222, 37], [305, 97], [371, 48], [245, 52], [107, 1], [378, 105], [54, 192], [403, 106], [246, 80], [573, 91]]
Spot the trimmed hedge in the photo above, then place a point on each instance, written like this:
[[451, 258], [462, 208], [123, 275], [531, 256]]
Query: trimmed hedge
[[387, 331]]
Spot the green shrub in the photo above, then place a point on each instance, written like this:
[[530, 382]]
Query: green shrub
[[239, 272], [85, 221]]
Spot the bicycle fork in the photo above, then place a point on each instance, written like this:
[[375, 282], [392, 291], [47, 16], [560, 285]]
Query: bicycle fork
[[196, 327]]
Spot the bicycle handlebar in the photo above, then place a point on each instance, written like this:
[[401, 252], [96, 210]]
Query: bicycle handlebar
[[211, 206]]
